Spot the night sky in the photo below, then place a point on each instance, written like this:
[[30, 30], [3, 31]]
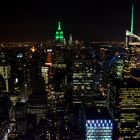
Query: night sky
[[96, 20]]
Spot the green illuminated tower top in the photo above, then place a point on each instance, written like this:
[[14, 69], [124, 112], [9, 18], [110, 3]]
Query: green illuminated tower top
[[132, 19], [59, 36]]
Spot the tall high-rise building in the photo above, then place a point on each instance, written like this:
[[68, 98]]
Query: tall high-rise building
[[126, 95], [99, 124], [70, 39], [132, 59], [49, 57], [99, 129], [82, 77], [37, 103], [117, 67], [5, 71]]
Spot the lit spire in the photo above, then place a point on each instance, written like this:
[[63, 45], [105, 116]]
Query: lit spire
[[59, 25], [59, 35], [132, 19]]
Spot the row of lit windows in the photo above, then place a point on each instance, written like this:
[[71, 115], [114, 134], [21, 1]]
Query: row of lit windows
[[99, 134], [98, 121], [130, 95], [98, 138], [99, 130], [128, 114], [99, 127], [88, 87], [131, 104], [95, 125], [82, 83], [127, 94], [82, 74], [128, 102], [130, 89], [82, 80]]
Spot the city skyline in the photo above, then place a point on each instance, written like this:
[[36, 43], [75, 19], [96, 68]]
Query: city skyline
[[69, 89], [37, 20]]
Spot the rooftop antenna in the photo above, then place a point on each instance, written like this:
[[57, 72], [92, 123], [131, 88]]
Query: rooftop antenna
[[59, 25]]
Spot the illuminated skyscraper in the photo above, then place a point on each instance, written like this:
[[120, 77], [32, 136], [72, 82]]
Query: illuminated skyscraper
[[70, 39], [5, 71], [117, 67], [82, 77], [49, 57], [126, 92], [132, 59], [132, 46], [59, 35]]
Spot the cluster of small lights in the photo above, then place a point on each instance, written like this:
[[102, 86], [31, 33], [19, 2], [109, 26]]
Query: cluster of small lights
[[99, 129], [20, 55]]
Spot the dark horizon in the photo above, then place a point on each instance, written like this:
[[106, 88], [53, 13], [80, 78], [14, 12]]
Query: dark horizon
[[37, 20]]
